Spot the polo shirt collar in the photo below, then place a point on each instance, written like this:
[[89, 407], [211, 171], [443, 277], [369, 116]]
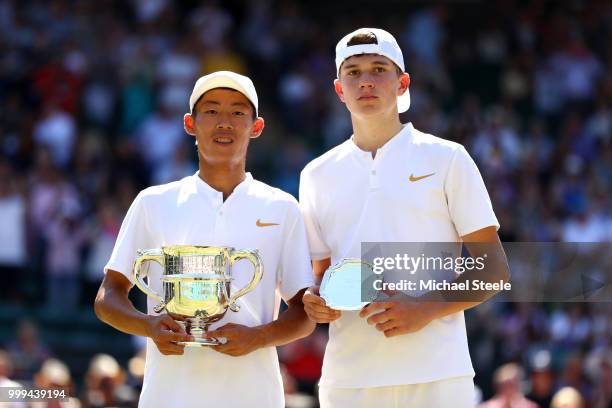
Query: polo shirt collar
[[207, 191], [402, 137]]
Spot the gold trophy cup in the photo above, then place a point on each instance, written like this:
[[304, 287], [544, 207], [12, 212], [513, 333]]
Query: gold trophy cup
[[196, 285]]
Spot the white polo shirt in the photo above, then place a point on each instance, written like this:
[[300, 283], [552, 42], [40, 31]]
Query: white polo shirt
[[347, 198], [191, 212]]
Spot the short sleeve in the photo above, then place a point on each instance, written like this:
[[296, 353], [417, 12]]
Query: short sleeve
[[133, 235], [318, 248], [295, 267], [468, 200]]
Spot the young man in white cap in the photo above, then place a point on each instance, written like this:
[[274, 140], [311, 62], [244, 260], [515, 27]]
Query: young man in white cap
[[391, 183], [220, 205]]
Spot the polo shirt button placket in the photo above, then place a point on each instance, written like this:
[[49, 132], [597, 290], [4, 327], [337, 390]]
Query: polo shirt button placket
[[373, 180], [218, 219], [219, 226], [220, 213]]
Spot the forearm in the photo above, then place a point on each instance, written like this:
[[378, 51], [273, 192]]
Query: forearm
[[495, 273], [456, 300], [118, 311], [291, 325], [443, 309], [318, 269]]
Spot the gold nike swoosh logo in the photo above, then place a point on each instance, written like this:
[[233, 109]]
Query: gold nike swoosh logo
[[264, 224], [413, 178]]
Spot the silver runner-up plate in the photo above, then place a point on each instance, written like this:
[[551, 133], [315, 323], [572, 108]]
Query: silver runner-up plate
[[346, 286]]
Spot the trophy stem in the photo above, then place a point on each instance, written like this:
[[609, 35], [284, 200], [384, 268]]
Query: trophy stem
[[197, 327]]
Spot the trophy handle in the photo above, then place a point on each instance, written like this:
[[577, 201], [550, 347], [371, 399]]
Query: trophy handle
[[253, 256], [155, 255]]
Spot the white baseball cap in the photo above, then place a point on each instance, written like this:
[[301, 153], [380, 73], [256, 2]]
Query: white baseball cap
[[224, 79], [386, 46]]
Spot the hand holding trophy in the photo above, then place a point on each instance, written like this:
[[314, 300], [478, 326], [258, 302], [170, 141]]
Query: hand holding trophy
[[197, 285], [347, 285]]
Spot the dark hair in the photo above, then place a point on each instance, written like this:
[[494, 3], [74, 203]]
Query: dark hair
[[367, 38], [194, 111], [362, 38]]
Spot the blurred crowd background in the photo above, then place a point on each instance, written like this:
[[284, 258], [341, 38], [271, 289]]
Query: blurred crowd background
[[93, 93]]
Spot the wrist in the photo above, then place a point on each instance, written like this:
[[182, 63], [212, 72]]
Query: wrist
[[261, 336], [435, 310], [146, 324]]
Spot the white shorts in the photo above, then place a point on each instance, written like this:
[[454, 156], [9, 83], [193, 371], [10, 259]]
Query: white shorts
[[449, 393]]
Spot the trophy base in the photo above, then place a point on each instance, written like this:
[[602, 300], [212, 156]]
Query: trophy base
[[203, 342], [198, 327]]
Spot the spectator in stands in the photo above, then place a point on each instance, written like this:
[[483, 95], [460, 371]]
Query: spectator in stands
[[567, 397], [55, 374], [573, 375], [6, 371], [602, 394], [13, 251], [136, 367], [542, 379], [65, 240], [509, 393], [27, 351], [6, 368], [105, 384]]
